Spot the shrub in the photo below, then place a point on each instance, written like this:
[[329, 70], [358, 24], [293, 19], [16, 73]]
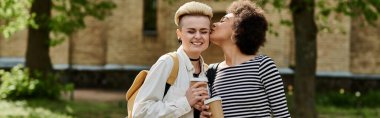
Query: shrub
[[18, 84], [337, 99], [370, 99]]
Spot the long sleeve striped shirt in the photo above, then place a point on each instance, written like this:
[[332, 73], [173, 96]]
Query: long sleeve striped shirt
[[251, 89]]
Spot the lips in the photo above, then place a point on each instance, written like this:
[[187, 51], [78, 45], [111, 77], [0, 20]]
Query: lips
[[197, 43]]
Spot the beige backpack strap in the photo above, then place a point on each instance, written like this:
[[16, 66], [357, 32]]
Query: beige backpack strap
[[174, 73], [136, 84]]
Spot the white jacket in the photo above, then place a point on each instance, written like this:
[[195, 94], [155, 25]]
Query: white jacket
[[149, 102]]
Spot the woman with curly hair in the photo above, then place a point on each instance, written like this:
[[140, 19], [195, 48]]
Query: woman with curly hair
[[248, 83]]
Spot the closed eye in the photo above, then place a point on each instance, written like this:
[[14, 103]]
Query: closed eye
[[191, 32], [205, 32]]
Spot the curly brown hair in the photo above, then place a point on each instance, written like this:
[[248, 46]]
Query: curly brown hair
[[250, 26]]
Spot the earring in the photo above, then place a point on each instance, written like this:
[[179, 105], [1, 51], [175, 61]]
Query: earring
[[179, 41]]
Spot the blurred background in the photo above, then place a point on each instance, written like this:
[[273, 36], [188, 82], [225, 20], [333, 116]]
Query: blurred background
[[82, 56]]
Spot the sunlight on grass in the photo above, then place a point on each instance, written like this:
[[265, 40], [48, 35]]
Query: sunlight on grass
[[22, 109], [61, 109]]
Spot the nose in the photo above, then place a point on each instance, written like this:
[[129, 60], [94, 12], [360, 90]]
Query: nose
[[198, 35]]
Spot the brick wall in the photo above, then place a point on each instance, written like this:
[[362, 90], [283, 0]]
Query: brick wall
[[15, 46], [365, 47], [334, 44]]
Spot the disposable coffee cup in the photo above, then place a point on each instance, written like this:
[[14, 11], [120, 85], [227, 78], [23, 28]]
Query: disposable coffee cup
[[198, 79], [215, 105]]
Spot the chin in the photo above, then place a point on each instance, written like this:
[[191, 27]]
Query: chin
[[198, 50], [215, 42], [213, 38]]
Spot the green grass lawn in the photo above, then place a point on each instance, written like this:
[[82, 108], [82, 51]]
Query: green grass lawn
[[93, 109], [338, 112], [61, 109]]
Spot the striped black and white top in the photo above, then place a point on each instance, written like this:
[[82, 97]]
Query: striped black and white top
[[251, 89]]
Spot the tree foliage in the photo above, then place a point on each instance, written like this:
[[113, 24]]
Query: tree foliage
[[14, 16], [369, 9], [68, 16], [49, 22]]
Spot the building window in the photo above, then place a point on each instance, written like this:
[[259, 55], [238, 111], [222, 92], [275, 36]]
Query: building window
[[150, 17]]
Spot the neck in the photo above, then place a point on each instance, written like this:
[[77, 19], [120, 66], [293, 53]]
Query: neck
[[196, 64], [197, 67], [233, 56], [195, 59], [193, 55]]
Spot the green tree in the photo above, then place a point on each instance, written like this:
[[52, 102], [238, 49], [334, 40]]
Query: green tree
[[68, 17], [49, 23], [305, 29]]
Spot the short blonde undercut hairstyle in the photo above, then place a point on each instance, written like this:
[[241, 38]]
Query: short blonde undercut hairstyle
[[192, 8]]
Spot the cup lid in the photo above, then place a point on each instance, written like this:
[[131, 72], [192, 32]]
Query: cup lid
[[199, 79], [212, 99]]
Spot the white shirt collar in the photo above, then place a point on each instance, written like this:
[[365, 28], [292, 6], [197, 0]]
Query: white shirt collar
[[187, 61]]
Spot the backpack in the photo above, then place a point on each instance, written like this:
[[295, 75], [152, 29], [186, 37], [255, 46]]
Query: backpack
[[140, 78]]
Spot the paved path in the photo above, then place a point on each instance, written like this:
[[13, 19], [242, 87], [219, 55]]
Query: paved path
[[98, 95]]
